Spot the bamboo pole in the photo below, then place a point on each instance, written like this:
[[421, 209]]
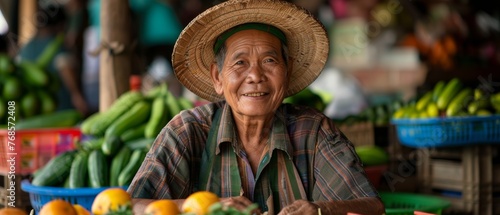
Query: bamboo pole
[[115, 55]]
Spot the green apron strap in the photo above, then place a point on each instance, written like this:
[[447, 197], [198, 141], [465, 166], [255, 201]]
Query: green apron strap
[[295, 191], [210, 176]]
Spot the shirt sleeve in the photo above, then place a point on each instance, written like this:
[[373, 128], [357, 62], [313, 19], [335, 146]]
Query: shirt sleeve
[[338, 171]]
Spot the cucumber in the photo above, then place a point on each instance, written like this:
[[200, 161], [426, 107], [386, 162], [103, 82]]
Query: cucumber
[[33, 74], [98, 169], [66, 183], [143, 143], [47, 103], [87, 124], [55, 172], [424, 101], [79, 170], [133, 133], [128, 173], [138, 115], [30, 105], [50, 51], [483, 112], [158, 119], [172, 104], [12, 88], [185, 103], [479, 94], [111, 145], [438, 89], [7, 66], [118, 164], [117, 109], [432, 110], [450, 90], [459, 102], [63, 118], [156, 91], [495, 102], [93, 144], [476, 105]]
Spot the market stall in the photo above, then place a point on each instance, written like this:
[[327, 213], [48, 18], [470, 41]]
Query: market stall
[[427, 132]]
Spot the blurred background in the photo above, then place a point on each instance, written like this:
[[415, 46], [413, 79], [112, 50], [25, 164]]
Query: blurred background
[[385, 56], [380, 50]]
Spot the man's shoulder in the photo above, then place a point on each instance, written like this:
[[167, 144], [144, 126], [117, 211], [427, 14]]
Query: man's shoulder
[[297, 113], [201, 114], [308, 120]]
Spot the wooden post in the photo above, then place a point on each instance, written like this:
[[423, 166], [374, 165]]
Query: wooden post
[[115, 56], [27, 18]]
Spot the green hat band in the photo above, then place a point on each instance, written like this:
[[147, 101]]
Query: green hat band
[[257, 26]]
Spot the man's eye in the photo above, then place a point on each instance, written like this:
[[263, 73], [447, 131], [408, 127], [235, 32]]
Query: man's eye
[[240, 62], [269, 60]]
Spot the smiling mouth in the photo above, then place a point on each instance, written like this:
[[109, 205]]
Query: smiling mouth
[[254, 94]]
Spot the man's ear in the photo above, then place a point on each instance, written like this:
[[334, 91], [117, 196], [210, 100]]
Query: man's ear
[[216, 78]]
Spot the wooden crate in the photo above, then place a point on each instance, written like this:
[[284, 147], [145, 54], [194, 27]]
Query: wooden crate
[[463, 175], [360, 134]]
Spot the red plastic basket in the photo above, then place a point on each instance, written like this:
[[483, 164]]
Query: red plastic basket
[[32, 148]]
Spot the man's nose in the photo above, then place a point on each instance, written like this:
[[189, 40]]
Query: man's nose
[[256, 74]]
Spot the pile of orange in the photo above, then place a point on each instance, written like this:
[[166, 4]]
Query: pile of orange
[[12, 211], [112, 200], [60, 207], [118, 200], [197, 203]]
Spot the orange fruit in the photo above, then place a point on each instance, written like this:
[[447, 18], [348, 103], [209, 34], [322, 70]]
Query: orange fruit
[[12, 211], [80, 210], [199, 202], [162, 207], [111, 199], [57, 207]]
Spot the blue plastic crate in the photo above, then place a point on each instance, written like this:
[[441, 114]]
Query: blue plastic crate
[[39, 196], [451, 131]]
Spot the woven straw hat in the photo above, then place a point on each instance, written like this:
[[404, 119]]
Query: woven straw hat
[[193, 52]]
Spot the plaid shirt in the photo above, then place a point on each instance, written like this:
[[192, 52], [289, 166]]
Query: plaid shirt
[[325, 165]]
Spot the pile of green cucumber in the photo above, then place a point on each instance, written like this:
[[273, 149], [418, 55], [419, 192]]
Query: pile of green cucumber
[[29, 85], [452, 99], [120, 139]]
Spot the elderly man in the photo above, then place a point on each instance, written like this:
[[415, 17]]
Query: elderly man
[[247, 147]]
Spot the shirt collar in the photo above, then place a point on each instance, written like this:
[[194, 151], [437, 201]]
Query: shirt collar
[[278, 138]]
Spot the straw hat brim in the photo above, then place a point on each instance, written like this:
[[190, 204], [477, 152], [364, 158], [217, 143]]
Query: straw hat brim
[[193, 52]]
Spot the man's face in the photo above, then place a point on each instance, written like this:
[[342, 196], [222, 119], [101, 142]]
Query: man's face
[[254, 75]]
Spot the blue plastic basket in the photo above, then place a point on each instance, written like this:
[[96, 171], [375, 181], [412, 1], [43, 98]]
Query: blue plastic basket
[[452, 131], [39, 196]]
